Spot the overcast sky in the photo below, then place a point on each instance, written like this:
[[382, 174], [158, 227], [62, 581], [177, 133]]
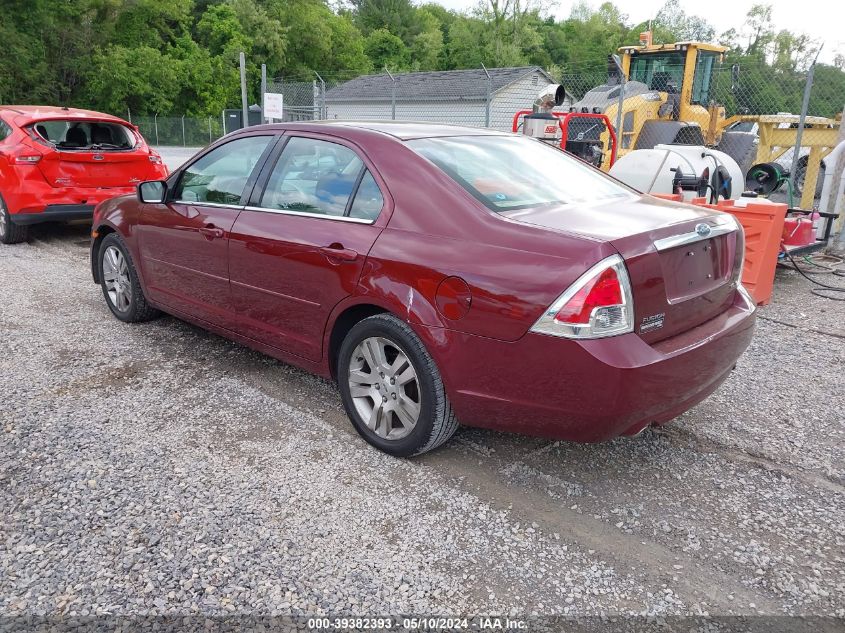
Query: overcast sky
[[821, 19]]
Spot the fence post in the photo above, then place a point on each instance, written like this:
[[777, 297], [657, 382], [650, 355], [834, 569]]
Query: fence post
[[315, 113], [323, 112], [808, 87], [392, 95], [209, 130], [155, 124], [223, 119], [489, 96], [184, 139], [129, 115], [838, 229]]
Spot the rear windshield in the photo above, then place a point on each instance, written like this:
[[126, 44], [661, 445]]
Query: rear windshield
[[75, 134], [515, 172]]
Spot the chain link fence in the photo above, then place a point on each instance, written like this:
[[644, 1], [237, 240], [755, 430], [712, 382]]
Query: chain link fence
[[178, 131], [752, 112]]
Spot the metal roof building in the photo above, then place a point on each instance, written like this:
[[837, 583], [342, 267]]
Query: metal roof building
[[458, 97]]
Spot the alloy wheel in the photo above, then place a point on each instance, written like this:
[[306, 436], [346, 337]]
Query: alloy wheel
[[3, 220], [116, 277], [384, 387]]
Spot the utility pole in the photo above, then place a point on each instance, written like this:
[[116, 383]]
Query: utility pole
[[245, 122]]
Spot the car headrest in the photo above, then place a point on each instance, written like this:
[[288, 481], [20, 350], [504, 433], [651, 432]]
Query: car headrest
[[76, 136]]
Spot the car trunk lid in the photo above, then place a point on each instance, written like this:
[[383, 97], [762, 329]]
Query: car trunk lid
[[88, 168], [681, 259]]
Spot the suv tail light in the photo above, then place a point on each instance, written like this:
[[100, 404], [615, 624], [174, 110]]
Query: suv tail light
[[155, 159], [598, 304]]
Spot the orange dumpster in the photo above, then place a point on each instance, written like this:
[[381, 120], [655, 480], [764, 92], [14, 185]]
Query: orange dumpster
[[763, 226]]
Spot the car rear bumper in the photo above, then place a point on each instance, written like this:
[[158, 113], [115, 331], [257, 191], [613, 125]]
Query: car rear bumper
[[588, 391], [56, 213], [52, 204]]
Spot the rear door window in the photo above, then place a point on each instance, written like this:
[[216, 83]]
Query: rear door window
[[5, 130], [314, 177], [220, 176]]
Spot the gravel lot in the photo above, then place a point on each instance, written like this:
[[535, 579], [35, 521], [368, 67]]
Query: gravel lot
[[156, 468]]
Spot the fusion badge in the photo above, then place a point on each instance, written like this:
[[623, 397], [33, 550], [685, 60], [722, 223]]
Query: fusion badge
[[652, 322]]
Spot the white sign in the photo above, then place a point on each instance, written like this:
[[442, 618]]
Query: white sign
[[273, 105]]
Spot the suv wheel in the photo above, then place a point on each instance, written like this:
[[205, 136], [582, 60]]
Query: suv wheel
[[391, 388], [10, 233]]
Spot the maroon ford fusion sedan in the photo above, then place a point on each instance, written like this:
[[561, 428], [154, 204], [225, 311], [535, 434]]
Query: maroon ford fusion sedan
[[439, 274]]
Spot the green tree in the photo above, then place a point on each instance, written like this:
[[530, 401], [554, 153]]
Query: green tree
[[395, 16], [142, 79], [386, 50], [181, 56], [427, 47], [673, 24]]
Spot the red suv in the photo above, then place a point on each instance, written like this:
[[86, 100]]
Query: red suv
[[57, 164]]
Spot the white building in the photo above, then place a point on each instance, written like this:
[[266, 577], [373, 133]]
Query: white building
[[458, 97]]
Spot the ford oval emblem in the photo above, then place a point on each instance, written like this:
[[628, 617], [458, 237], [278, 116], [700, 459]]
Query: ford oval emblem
[[702, 229], [98, 157]]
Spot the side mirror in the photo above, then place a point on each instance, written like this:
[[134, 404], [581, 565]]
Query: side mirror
[[152, 191]]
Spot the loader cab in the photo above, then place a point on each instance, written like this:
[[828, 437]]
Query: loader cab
[[668, 96], [682, 68]]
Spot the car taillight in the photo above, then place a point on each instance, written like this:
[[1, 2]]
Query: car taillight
[[598, 304], [739, 264], [155, 160], [739, 251]]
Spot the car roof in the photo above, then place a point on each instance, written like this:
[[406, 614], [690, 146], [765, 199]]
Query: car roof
[[402, 130], [27, 113]]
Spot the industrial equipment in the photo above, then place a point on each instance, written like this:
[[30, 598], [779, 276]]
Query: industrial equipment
[[661, 94], [578, 133], [692, 171]]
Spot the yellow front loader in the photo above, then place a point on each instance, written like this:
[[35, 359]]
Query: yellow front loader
[[663, 94]]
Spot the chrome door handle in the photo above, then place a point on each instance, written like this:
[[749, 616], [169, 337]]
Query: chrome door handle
[[211, 232], [336, 251]]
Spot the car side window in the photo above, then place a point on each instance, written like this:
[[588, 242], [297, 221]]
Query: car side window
[[313, 176], [368, 199], [220, 176], [5, 130]]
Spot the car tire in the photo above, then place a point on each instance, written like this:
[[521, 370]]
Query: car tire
[[122, 289], [10, 233], [385, 375]]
